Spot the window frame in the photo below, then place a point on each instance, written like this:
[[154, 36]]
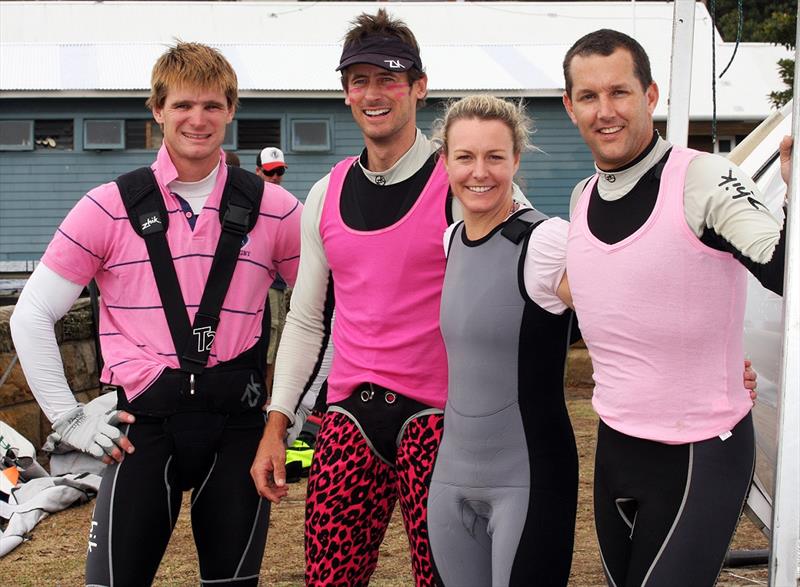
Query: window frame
[[144, 120], [20, 147], [731, 138], [118, 146], [280, 144], [295, 148], [76, 137]]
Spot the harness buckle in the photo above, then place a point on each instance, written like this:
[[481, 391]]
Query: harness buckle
[[236, 220]]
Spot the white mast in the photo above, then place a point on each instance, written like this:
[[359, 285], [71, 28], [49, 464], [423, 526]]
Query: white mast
[[784, 563], [784, 558], [680, 72]]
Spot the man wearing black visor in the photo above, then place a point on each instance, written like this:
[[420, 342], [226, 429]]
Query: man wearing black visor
[[372, 236]]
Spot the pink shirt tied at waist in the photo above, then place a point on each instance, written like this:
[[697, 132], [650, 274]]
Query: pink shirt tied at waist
[[662, 317], [388, 287], [96, 240]]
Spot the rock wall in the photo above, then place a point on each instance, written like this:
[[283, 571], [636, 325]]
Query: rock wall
[[76, 341]]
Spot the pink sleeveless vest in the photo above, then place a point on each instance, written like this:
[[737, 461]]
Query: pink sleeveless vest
[[388, 287], [661, 314]]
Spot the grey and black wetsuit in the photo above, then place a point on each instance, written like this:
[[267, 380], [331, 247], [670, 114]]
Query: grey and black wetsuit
[[503, 497]]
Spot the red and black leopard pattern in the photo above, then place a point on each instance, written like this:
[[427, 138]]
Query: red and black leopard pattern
[[351, 496], [416, 456]]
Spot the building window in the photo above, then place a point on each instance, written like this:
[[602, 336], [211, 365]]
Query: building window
[[257, 134], [103, 134], [16, 135], [53, 135], [311, 134], [142, 134], [725, 145]]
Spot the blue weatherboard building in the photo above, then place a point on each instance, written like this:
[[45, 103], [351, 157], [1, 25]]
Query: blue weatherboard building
[[74, 77], [78, 144]]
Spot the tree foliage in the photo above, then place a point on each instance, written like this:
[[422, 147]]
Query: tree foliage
[[767, 22]]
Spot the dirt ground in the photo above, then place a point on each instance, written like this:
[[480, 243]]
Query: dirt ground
[[55, 554]]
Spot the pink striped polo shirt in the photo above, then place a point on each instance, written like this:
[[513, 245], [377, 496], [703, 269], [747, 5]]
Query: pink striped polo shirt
[[388, 288], [662, 317], [96, 240]]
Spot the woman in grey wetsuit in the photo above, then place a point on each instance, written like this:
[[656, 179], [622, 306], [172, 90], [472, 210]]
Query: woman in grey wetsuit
[[503, 497]]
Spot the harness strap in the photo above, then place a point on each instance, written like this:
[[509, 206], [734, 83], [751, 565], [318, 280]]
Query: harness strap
[[241, 200], [239, 207], [520, 227], [148, 216]]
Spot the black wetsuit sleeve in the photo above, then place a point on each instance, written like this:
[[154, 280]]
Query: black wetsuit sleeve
[[769, 274]]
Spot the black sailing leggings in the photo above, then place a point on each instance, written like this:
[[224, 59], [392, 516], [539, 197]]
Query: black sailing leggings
[[665, 514], [139, 500]]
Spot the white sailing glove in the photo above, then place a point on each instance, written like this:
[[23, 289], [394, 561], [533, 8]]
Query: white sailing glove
[[96, 434]]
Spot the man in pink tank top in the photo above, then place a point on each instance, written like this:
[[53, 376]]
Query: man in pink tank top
[[660, 240], [372, 237]]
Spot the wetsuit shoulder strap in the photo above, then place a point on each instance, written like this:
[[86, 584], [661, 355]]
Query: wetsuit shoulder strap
[[243, 191], [239, 213], [140, 193], [522, 225], [148, 215]]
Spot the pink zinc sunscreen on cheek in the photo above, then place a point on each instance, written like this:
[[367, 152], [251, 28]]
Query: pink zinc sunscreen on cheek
[[399, 90]]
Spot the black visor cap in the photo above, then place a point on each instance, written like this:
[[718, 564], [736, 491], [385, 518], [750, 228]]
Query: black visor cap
[[389, 53]]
